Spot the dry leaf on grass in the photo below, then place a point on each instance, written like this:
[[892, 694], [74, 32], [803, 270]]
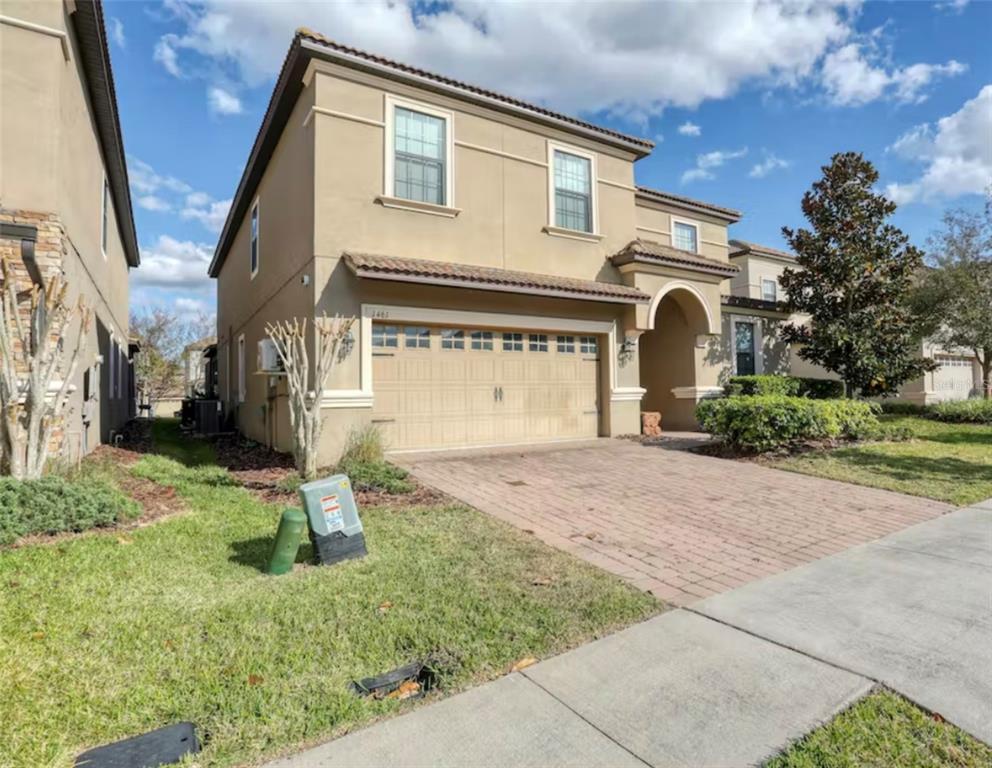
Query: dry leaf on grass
[[523, 663], [407, 689]]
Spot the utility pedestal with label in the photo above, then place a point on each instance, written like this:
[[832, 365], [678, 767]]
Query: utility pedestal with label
[[335, 529]]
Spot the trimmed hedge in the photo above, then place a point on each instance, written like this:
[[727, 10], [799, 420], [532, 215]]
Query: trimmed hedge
[[765, 422], [761, 384], [791, 386], [962, 411], [56, 505]]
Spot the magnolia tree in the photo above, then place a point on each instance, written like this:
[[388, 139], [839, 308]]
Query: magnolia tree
[[306, 381], [35, 370]]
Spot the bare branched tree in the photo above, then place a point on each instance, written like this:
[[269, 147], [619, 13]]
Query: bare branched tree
[[36, 372], [305, 382]]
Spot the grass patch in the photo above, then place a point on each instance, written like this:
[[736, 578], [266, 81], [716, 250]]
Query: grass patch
[[884, 730], [948, 462], [107, 637]]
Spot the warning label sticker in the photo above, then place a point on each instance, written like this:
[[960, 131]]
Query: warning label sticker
[[331, 508]]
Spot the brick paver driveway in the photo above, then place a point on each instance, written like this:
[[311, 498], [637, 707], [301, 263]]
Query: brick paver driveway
[[681, 525]]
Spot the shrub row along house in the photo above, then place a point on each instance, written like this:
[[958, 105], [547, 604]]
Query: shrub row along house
[[512, 281], [65, 206]]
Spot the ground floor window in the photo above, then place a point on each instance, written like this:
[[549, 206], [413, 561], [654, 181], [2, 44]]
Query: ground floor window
[[744, 348]]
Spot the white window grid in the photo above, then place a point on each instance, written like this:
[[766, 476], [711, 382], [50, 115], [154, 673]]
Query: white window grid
[[537, 342]]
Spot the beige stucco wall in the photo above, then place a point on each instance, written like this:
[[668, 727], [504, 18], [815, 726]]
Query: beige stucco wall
[[754, 269], [51, 164]]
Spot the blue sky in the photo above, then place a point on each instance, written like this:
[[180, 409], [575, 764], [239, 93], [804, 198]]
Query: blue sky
[[746, 99]]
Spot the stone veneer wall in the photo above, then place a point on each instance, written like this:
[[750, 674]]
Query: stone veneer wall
[[50, 249]]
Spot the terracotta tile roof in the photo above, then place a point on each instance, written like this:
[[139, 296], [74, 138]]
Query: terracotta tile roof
[[489, 278], [316, 37], [648, 251], [687, 202], [742, 247]]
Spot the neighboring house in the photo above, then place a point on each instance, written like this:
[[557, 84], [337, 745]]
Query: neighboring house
[[64, 200], [195, 381], [511, 282], [753, 313]]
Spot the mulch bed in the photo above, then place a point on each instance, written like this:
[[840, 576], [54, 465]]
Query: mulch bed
[[262, 471]]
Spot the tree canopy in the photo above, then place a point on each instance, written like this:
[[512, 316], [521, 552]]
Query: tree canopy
[[854, 280]]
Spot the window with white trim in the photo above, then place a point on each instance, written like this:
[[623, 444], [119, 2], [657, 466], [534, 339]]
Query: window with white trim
[[417, 337], [482, 340], [242, 380], [253, 240], [588, 345], [769, 290], [537, 342], [105, 217], [385, 336], [685, 236], [573, 191], [420, 156], [566, 344], [513, 342], [452, 338]]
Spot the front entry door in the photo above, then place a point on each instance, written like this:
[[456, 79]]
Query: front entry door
[[744, 336]]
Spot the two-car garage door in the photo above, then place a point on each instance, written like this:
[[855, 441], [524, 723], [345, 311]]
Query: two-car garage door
[[448, 387]]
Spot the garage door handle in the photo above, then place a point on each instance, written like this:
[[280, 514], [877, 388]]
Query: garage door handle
[[501, 394]]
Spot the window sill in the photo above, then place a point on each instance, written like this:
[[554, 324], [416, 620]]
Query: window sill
[[418, 207], [573, 234]]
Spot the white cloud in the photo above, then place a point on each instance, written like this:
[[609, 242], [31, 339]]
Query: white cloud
[[952, 6], [165, 54], [155, 192], [196, 310], [690, 129], [175, 264], [771, 163], [154, 203], [956, 153], [223, 102], [211, 215], [706, 162], [592, 56], [117, 32], [854, 75]]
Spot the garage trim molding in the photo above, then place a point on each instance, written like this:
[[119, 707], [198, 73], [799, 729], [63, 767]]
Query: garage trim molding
[[363, 397]]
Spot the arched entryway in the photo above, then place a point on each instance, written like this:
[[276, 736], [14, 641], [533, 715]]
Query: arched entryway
[[672, 352]]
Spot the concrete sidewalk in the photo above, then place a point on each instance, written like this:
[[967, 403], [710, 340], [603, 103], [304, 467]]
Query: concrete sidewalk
[[735, 679]]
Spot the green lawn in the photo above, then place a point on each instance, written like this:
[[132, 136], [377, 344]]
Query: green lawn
[[884, 730], [949, 462], [112, 634]]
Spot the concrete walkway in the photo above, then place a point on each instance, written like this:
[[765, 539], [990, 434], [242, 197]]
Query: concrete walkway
[[735, 679]]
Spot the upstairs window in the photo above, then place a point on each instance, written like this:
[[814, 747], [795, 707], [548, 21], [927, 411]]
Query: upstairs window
[[253, 238], [769, 290], [104, 216], [421, 155], [573, 191], [685, 236]]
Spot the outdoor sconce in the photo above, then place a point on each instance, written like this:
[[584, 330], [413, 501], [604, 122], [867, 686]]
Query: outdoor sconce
[[625, 350]]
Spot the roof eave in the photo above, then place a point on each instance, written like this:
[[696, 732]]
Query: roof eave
[[625, 258], [723, 214]]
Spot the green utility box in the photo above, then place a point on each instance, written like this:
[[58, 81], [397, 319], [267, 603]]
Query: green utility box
[[287, 542], [335, 528]]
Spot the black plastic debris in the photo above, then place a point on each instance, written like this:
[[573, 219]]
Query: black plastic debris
[[411, 681], [162, 746]]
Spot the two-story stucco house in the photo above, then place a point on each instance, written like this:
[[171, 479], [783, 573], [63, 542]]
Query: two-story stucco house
[[64, 199], [511, 281]]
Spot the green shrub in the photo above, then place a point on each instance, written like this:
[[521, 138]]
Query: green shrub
[[364, 445], [765, 422], [962, 411], [902, 408], [376, 476], [54, 504], [762, 384], [821, 389]]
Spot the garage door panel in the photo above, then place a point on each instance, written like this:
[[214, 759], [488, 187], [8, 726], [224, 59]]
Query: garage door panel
[[429, 397]]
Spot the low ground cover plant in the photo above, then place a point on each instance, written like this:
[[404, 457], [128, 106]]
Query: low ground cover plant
[[364, 463], [765, 422], [55, 504]]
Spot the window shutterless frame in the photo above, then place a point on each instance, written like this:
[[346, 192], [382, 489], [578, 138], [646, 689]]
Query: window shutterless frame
[[685, 223], [553, 227], [254, 231], [769, 290], [389, 164]]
